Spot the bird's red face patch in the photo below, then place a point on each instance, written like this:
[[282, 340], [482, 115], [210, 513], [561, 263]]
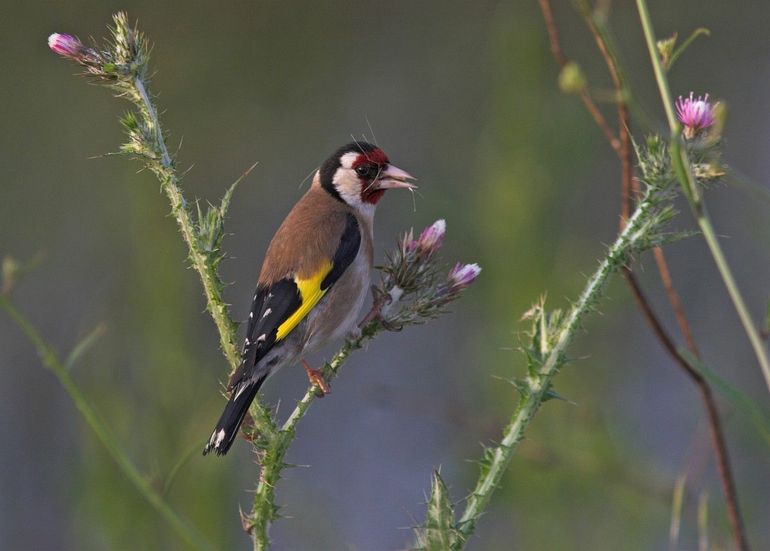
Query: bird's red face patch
[[375, 156], [368, 166]]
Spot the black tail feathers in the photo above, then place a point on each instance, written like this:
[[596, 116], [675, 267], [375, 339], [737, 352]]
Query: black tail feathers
[[227, 428]]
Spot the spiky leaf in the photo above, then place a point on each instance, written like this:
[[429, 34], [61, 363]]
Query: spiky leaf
[[438, 533]]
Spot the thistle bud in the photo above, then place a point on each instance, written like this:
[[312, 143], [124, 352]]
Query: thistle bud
[[462, 275], [66, 45], [571, 79], [431, 238]]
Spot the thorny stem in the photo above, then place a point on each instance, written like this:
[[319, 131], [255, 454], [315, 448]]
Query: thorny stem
[[715, 426], [215, 304], [629, 189], [51, 361], [264, 510], [148, 143], [684, 175], [681, 164], [528, 405], [169, 181]]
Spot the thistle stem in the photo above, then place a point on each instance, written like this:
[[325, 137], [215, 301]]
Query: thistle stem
[[169, 182], [215, 304], [634, 233], [681, 163], [264, 511]]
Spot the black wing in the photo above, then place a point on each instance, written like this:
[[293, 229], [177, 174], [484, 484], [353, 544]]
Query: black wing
[[274, 305]]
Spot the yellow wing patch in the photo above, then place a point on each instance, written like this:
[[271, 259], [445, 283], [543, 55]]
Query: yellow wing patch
[[310, 293]]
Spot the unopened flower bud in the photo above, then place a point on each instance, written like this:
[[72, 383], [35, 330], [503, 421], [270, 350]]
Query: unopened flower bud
[[571, 79], [66, 45], [462, 275], [431, 237], [666, 49]]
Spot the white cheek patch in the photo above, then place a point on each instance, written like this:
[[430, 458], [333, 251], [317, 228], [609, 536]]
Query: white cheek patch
[[347, 184]]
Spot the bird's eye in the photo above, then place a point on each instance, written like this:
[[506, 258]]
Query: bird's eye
[[366, 170]]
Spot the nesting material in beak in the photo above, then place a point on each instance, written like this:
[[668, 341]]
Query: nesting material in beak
[[394, 178]]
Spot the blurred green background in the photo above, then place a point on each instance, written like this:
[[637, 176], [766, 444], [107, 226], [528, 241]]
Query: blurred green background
[[464, 96]]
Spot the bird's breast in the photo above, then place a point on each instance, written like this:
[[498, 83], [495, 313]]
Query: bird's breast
[[338, 312]]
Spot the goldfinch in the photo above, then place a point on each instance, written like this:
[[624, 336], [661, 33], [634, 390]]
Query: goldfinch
[[315, 276]]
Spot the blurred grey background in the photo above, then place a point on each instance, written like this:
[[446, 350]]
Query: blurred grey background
[[464, 96]]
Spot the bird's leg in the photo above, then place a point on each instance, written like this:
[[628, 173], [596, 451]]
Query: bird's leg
[[379, 300], [316, 378]]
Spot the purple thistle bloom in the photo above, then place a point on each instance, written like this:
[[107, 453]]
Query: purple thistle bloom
[[463, 275], [432, 237], [695, 114], [65, 45]]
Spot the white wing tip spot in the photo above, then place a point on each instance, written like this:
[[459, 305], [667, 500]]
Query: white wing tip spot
[[216, 438], [240, 391], [267, 313]]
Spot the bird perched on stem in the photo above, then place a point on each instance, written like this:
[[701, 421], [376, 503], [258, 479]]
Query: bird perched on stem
[[315, 276]]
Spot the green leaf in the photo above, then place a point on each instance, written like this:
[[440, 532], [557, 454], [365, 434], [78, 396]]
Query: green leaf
[[677, 501], [438, 533], [666, 48], [84, 345], [211, 225], [551, 394], [766, 322], [521, 386], [735, 397], [680, 50], [191, 452]]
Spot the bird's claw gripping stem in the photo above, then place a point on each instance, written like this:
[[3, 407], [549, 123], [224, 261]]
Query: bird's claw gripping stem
[[316, 378]]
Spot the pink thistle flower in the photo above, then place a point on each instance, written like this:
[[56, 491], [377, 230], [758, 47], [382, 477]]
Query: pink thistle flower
[[695, 114], [66, 45], [462, 275]]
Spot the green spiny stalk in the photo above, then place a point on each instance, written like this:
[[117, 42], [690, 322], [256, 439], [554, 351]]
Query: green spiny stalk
[[122, 66], [149, 144], [439, 532], [683, 170], [639, 232], [264, 511]]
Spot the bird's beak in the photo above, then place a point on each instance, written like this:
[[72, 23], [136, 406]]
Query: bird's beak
[[393, 177]]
